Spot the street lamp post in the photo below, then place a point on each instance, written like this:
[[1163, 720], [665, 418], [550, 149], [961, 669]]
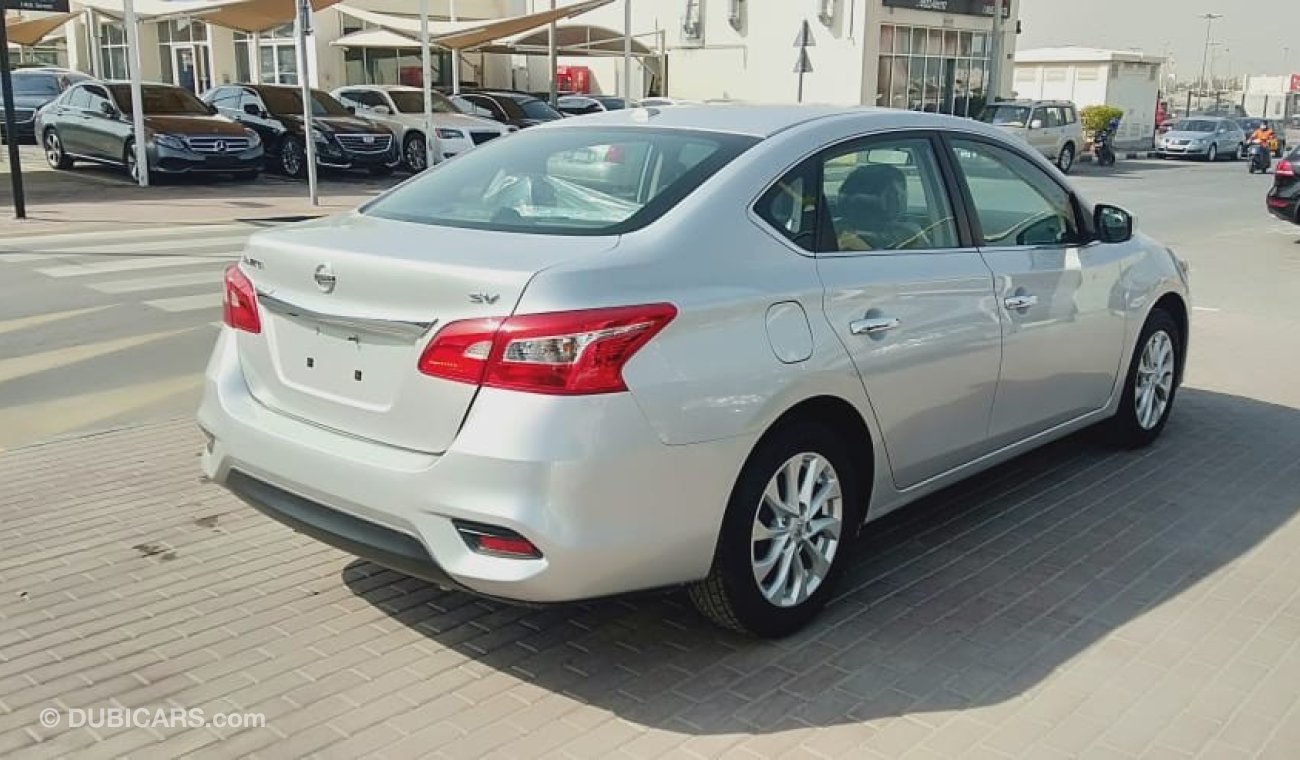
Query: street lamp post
[[1210, 18]]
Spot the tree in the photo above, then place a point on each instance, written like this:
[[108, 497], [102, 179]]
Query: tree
[[1095, 118]]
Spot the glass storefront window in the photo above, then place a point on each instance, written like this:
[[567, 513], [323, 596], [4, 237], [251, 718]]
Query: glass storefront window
[[933, 70]]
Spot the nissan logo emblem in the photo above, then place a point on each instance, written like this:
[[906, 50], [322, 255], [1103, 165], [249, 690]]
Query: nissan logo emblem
[[324, 278]]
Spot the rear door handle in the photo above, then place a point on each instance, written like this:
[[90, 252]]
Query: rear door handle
[[874, 325], [1020, 303]]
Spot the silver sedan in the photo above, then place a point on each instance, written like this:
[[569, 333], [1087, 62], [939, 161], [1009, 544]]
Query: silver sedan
[[710, 366]]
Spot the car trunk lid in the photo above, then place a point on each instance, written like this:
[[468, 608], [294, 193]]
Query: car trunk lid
[[347, 305]]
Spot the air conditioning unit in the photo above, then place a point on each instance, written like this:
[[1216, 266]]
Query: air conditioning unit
[[736, 14], [826, 11]]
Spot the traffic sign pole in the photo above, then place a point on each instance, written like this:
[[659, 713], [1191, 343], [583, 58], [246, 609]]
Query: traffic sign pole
[[803, 64], [11, 126]]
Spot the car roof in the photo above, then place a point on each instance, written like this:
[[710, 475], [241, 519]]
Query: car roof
[[762, 120]]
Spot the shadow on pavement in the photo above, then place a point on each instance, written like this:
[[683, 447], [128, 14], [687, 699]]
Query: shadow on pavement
[[1127, 168], [968, 598]]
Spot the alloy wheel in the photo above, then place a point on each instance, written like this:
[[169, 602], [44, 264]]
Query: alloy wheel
[[416, 157], [796, 530], [1066, 160], [132, 165], [53, 150], [1155, 380], [291, 158], [1213, 155]]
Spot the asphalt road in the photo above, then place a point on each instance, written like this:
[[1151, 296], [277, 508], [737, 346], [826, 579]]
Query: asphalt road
[[101, 330]]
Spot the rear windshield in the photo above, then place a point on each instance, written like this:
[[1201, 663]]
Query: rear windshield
[[1010, 116], [536, 109], [570, 181], [1196, 125], [35, 84]]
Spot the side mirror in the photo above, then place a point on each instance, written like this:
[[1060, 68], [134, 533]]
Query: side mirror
[[351, 109], [252, 110], [1113, 224], [212, 110], [107, 109], [1036, 124], [380, 110]]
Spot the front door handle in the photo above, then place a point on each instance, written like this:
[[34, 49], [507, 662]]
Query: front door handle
[[874, 325], [1020, 302]]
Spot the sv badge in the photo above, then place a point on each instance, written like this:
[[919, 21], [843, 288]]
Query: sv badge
[[484, 298]]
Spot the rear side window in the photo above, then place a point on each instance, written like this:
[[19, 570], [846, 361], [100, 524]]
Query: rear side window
[[572, 181]]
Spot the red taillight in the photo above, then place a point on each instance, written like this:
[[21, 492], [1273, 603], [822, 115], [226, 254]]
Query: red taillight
[[239, 307], [562, 353], [614, 154], [1285, 169], [1278, 203]]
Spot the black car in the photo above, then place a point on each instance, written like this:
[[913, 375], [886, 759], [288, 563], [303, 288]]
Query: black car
[[1284, 199], [343, 140], [33, 90], [517, 109], [578, 105], [92, 121]]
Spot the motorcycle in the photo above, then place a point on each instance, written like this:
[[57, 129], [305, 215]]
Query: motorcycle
[[1102, 148], [1261, 159]]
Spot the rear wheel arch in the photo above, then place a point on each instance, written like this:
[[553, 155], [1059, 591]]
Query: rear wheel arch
[[847, 423]]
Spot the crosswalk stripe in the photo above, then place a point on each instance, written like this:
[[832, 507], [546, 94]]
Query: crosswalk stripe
[[186, 303], [45, 419], [189, 243], [21, 258], [210, 277], [139, 233], [22, 323], [124, 265], [22, 366]]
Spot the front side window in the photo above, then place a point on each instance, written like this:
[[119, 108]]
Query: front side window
[[97, 100], [413, 102], [79, 98], [565, 182], [886, 195], [1006, 116], [1015, 202]]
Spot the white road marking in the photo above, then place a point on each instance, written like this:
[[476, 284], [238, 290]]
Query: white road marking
[[22, 323], [187, 303], [122, 265], [1206, 309], [212, 277], [232, 244], [109, 235], [22, 366]]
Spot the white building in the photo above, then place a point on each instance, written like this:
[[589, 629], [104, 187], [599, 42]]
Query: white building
[[919, 54], [929, 55], [1273, 97], [1089, 76]]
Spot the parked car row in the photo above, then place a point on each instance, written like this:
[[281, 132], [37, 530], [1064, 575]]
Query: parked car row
[[34, 89]]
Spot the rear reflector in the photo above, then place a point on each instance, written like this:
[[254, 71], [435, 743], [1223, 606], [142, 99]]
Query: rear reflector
[[239, 306], [496, 541], [562, 353], [1278, 203]]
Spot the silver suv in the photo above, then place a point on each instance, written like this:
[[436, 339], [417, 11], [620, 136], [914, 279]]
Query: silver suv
[[1051, 126]]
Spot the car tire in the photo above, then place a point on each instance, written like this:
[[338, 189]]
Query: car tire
[[1212, 155], [129, 161], [293, 158], [1065, 159], [414, 153], [380, 171], [1153, 377], [54, 153], [771, 522]]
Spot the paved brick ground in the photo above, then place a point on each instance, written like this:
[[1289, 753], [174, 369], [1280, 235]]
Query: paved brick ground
[[1076, 603]]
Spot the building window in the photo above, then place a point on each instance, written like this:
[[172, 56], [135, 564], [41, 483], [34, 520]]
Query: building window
[[693, 21], [935, 70], [278, 56], [184, 54], [243, 58], [386, 66], [112, 51]]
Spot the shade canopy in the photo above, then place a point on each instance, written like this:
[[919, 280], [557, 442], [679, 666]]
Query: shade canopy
[[464, 35], [571, 40], [250, 16], [30, 31], [376, 38]]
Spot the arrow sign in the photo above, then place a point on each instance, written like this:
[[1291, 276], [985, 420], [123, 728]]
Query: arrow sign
[[805, 38], [804, 64]]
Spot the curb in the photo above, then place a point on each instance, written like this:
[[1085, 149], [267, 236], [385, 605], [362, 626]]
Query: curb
[[1088, 158]]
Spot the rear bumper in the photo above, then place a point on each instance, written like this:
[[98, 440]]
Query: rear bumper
[[1286, 209], [586, 480]]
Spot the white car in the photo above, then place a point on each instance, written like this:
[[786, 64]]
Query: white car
[[710, 370], [402, 110], [1051, 127]]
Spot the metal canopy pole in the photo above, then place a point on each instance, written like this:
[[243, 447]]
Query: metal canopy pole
[[137, 99], [302, 22], [455, 58], [627, 51], [551, 59], [426, 65], [11, 125]]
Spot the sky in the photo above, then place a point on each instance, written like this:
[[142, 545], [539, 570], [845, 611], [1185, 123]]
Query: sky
[[1254, 32]]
